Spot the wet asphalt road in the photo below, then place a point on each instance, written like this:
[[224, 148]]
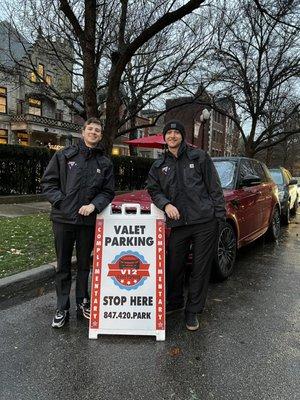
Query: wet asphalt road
[[247, 348]]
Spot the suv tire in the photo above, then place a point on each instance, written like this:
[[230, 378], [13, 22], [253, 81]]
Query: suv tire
[[223, 264], [273, 232]]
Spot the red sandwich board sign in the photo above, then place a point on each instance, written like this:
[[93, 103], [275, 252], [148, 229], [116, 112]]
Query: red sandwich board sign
[[128, 280]]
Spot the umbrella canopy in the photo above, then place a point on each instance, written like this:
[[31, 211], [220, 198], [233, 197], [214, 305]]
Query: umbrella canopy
[[151, 142]]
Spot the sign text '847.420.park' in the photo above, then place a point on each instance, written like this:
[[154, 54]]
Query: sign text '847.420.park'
[[128, 282]]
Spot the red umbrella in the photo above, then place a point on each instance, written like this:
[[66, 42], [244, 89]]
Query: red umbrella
[[152, 142]]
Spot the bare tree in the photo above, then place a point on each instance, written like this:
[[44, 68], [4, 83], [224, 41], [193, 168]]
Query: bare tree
[[107, 38], [164, 66], [256, 61], [267, 8]]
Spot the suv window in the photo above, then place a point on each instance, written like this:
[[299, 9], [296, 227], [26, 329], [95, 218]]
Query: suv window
[[246, 168], [259, 171], [277, 176], [226, 171]]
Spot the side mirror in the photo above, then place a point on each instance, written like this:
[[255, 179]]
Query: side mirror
[[293, 181], [250, 180]]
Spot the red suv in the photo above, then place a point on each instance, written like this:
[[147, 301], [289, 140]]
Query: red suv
[[252, 208]]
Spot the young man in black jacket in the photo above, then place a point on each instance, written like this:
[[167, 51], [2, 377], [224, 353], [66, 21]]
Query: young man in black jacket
[[184, 183], [79, 183]]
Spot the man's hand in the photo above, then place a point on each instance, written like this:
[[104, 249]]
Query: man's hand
[[86, 210], [172, 212]]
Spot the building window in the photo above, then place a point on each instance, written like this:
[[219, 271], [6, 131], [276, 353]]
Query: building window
[[39, 76], [23, 139], [32, 77], [217, 117], [59, 115], [49, 80], [35, 106], [41, 71], [3, 136], [3, 100], [115, 151], [20, 107]]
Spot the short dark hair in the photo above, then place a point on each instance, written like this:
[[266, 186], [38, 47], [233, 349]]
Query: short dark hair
[[92, 120]]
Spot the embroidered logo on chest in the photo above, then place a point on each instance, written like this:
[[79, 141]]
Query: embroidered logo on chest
[[98, 171], [165, 170], [71, 164], [192, 166]]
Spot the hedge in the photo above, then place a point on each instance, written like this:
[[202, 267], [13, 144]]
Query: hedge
[[21, 169]]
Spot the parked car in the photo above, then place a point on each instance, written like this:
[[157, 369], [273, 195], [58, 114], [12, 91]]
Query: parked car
[[288, 193], [252, 207]]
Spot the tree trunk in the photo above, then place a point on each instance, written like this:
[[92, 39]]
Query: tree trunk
[[249, 149], [113, 104], [90, 85], [132, 135], [90, 70]]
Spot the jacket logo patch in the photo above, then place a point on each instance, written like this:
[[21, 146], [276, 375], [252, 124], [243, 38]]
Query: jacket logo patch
[[98, 171], [165, 170], [71, 164], [192, 166]]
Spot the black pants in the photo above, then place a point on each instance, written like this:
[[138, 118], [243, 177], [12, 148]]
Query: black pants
[[204, 240], [65, 236]]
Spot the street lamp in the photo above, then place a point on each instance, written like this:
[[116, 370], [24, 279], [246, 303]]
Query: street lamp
[[205, 115]]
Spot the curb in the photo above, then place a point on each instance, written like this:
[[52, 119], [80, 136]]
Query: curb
[[18, 284]]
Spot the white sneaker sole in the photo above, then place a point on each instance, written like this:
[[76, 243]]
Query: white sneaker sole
[[61, 323], [192, 327]]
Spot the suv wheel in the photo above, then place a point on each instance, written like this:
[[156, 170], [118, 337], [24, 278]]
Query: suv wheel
[[274, 227], [226, 252]]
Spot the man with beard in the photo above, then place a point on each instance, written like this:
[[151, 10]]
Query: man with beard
[[185, 185]]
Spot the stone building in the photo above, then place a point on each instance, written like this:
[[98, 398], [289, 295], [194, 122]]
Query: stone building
[[30, 74]]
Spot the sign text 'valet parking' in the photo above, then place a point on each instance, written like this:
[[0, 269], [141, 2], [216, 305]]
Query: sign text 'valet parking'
[[128, 286]]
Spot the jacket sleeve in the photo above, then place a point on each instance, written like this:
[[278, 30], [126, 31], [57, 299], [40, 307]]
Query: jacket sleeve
[[213, 185], [154, 189], [51, 182], [107, 193]]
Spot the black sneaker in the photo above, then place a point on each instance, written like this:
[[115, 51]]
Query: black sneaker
[[171, 308], [83, 309], [60, 318], [191, 321]]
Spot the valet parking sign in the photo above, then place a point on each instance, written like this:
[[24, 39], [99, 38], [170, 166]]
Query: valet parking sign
[[128, 283]]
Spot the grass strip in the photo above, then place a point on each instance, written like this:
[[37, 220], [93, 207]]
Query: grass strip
[[25, 242]]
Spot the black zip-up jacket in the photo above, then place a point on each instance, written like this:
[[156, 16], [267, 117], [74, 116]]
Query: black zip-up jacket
[[190, 183], [77, 176]]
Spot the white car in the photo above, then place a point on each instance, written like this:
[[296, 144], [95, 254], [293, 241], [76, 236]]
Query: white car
[[298, 187]]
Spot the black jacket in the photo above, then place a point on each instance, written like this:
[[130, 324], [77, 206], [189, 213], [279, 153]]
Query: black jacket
[[190, 183], [77, 176]]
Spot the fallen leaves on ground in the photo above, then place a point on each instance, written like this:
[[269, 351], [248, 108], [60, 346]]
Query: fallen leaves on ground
[[175, 351]]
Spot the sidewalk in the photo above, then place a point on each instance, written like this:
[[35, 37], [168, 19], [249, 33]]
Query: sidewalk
[[21, 209]]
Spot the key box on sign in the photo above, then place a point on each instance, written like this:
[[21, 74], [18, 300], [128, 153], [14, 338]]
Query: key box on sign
[[128, 280]]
